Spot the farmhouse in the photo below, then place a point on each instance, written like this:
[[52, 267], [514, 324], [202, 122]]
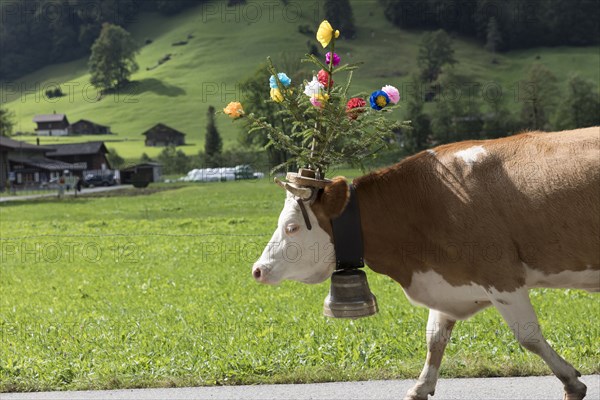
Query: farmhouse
[[23, 163], [86, 127], [163, 135], [52, 124], [91, 155]]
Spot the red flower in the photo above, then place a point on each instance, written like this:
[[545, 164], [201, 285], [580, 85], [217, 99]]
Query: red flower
[[323, 77], [353, 103]]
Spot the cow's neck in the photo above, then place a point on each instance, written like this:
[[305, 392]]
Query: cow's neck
[[388, 216]]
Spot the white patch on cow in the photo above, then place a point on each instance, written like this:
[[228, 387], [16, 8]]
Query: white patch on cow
[[471, 154], [588, 279], [432, 152], [431, 290]]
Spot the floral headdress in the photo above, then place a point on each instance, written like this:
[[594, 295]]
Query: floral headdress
[[328, 126]]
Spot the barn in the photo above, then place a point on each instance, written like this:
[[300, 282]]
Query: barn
[[87, 127], [163, 135]]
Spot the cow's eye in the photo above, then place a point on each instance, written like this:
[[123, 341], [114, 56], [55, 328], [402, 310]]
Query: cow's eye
[[290, 229]]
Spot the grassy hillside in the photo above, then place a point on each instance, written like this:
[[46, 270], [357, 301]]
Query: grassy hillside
[[227, 47]]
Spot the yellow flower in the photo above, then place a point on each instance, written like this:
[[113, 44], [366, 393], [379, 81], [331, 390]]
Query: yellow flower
[[326, 33], [234, 109], [276, 95]]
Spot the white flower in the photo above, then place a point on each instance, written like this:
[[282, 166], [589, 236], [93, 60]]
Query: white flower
[[314, 88]]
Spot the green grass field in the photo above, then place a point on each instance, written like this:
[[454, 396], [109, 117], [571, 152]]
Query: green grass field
[[228, 46], [155, 290]]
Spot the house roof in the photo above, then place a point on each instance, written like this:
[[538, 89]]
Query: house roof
[[70, 149], [18, 145], [49, 117], [162, 128], [88, 122], [140, 165], [48, 164]]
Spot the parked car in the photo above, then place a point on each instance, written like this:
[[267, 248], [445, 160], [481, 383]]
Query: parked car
[[99, 180]]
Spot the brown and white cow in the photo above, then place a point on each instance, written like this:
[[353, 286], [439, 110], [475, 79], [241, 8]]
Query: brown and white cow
[[462, 227]]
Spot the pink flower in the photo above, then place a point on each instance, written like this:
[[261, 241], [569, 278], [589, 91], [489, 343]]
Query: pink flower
[[336, 59], [316, 102], [392, 93]]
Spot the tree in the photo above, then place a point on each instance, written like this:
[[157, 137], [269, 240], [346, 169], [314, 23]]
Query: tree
[[145, 158], [538, 93], [420, 122], [339, 14], [114, 159], [493, 36], [435, 51], [6, 122], [113, 57], [498, 121], [213, 145], [254, 94], [173, 161], [580, 107], [457, 113]]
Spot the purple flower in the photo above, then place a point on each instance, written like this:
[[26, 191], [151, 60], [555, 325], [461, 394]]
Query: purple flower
[[336, 59]]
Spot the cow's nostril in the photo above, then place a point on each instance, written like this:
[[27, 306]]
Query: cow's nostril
[[257, 273]]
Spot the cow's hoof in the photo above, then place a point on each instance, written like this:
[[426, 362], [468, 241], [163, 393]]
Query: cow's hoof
[[413, 394], [575, 392], [411, 397]]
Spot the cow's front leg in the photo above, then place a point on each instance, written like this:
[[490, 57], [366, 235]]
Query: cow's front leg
[[439, 329], [517, 311]]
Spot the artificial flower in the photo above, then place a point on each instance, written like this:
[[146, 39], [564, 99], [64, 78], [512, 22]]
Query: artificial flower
[[283, 78], [276, 95], [323, 77], [336, 59], [353, 103], [392, 92], [234, 109], [326, 33], [313, 88], [318, 100], [379, 99]]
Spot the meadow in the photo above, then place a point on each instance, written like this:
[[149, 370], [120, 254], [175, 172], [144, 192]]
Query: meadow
[[228, 45], [153, 288]]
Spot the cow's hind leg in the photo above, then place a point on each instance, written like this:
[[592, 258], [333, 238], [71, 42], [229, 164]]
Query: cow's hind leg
[[439, 328], [517, 311]]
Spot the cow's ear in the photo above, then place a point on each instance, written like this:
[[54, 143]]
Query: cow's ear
[[334, 197]]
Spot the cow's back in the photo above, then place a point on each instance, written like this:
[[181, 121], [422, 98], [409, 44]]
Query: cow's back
[[484, 211]]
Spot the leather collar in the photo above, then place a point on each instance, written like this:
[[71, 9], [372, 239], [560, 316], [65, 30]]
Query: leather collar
[[347, 235]]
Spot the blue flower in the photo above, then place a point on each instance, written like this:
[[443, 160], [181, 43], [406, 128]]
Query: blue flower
[[379, 99], [283, 78]]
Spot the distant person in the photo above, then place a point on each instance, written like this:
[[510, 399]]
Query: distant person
[[78, 185], [61, 186]]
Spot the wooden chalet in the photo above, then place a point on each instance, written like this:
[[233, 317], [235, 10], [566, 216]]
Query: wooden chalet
[[52, 125], [23, 163], [90, 154], [163, 135]]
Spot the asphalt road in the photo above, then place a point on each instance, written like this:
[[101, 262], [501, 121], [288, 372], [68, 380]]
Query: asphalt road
[[54, 193], [528, 388]]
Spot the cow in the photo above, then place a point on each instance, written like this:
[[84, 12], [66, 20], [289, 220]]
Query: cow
[[462, 227]]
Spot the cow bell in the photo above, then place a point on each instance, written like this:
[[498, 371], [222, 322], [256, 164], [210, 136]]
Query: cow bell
[[349, 295]]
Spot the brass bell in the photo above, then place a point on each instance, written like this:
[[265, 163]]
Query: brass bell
[[349, 295]]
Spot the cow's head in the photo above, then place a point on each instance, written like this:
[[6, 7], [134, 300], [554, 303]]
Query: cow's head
[[296, 252]]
